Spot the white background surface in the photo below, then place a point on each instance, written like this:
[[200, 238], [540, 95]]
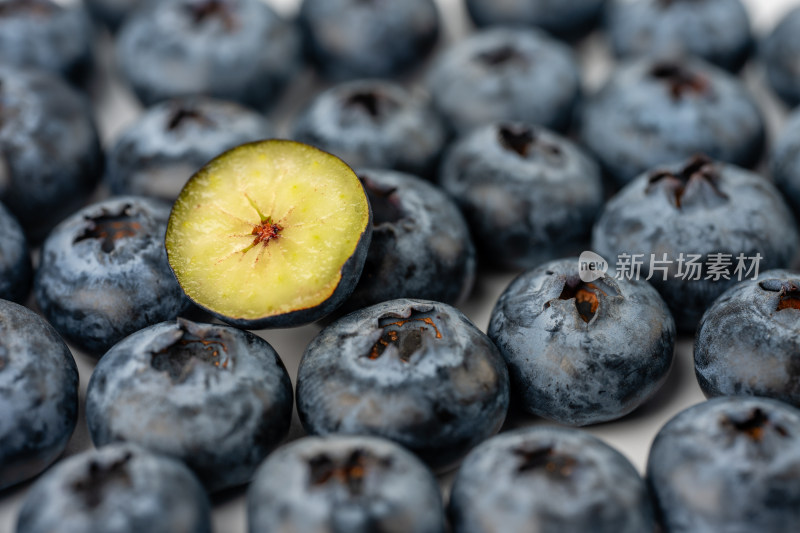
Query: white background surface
[[632, 435]]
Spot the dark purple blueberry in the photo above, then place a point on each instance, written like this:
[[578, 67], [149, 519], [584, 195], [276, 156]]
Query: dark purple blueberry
[[785, 162], [658, 111], [729, 464], [350, 39], [120, 489], [528, 195], [214, 396], [582, 352], [38, 394], [703, 224], [172, 140], [374, 123], [568, 19], [413, 371], [230, 49], [16, 271], [779, 52], [50, 154], [506, 74], [341, 484], [549, 480], [748, 341], [104, 274]]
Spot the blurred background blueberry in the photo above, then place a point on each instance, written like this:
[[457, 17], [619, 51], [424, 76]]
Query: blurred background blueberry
[[785, 161], [16, 270], [779, 52], [567, 19], [111, 12]]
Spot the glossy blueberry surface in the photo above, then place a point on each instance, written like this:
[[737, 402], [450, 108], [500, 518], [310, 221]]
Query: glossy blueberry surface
[[38, 394], [568, 19], [16, 271], [747, 342], [528, 195], [233, 49], [172, 140], [728, 464], [779, 52], [655, 112], [50, 155], [214, 396], [487, 77], [413, 371], [350, 39], [374, 123], [344, 484], [785, 162], [111, 12], [104, 274], [46, 35], [117, 489], [420, 248], [582, 352], [717, 31], [699, 208], [549, 480]]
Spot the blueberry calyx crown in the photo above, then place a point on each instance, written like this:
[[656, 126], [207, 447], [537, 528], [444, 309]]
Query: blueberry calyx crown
[[192, 345], [350, 473], [374, 104], [181, 115], [788, 292], [697, 183], [95, 484], [406, 334], [36, 7], [109, 228], [547, 460], [523, 139], [587, 296], [208, 9], [679, 79], [501, 56], [754, 425], [385, 202]]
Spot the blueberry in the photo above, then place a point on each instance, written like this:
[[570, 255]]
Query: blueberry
[[120, 489], [231, 49], [528, 195], [214, 396], [779, 52], [413, 371], [676, 27], [111, 12], [567, 20], [728, 464], [748, 341], [38, 394], [374, 123], [705, 225], [104, 273], [172, 140], [655, 111], [50, 155], [582, 352], [368, 38], [344, 484], [549, 480], [785, 162], [420, 245], [16, 270], [46, 35], [489, 77]]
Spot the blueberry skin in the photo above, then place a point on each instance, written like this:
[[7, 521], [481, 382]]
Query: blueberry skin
[[104, 273], [528, 195], [374, 123], [413, 371], [214, 396], [729, 464], [682, 27], [566, 20], [654, 112], [111, 12], [747, 342], [785, 162], [778, 53], [234, 50], [120, 488], [339, 484], [38, 394], [349, 39], [582, 353], [420, 248], [16, 270], [698, 207], [50, 154], [46, 35], [172, 140], [491, 75], [549, 480]]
